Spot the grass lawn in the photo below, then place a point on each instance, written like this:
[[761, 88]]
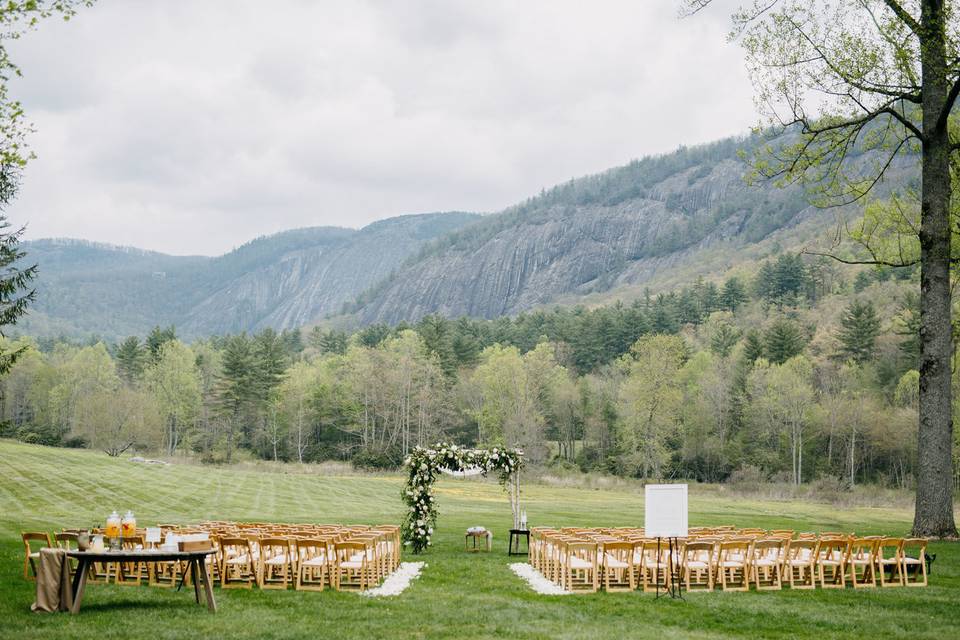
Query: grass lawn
[[459, 595]]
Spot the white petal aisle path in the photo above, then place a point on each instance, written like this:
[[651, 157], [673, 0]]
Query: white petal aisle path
[[537, 581], [397, 582]]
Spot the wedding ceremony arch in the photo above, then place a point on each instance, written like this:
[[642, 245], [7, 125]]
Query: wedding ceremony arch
[[424, 464]]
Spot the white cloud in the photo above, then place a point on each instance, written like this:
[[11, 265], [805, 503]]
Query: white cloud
[[192, 127]]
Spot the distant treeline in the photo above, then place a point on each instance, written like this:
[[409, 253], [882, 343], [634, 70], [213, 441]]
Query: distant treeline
[[793, 373]]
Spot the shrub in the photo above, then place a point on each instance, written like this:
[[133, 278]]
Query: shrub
[[376, 459]]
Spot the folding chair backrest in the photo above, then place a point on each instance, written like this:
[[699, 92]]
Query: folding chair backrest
[[37, 536], [863, 548], [621, 551], [803, 549], [66, 540], [915, 547], [770, 548], [888, 548]]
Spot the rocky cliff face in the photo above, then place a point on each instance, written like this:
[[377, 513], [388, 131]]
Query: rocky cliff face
[[307, 284], [617, 228]]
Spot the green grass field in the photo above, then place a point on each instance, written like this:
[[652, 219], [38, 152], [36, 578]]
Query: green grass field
[[459, 595]]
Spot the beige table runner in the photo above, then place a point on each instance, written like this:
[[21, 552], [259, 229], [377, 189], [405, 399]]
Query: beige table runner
[[54, 590]]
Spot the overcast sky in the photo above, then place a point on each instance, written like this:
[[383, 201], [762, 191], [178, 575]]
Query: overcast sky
[[192, 127]]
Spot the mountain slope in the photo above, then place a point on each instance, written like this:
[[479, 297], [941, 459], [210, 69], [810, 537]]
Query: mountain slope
[[281, 280], [629, 226]]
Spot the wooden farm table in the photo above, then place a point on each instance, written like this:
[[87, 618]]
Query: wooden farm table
[[197, 560]]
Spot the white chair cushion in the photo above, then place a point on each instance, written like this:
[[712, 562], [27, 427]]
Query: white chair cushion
[[580, 563], [319, 561]]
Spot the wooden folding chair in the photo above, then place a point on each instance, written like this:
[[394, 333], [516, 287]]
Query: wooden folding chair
[[734, 565], [31, 558], [766, 564], [618, 570], [580, 567], [277, 568], [800, 563], [890, 559], [861, 561], [655, 568], [313, 564], [131, 574], [915, 562], [350, 567], [239, 565], [832, 562], [698, 565], [67, 540]]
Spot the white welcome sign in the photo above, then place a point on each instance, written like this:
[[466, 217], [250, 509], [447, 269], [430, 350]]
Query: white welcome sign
[[666, 511]]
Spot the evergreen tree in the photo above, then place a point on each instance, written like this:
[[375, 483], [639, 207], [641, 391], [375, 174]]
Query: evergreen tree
[[130, 360], [292, 341], [662, 319], [724, 338], [437, 337], [466, 343], [236, 386], [157, 338], [315, 338], [765, 284], [791, 278], [15, 278], [734, 294], [859, 328], [862, 281], [908, 326], [334, 341], [373, 335], [270, 356], [752, 346], [782, 340]]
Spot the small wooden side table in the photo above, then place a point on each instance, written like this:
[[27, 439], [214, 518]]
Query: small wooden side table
[[476, 535], [516, 534]]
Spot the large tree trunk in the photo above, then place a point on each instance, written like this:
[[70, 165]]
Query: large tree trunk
[[934, 506]]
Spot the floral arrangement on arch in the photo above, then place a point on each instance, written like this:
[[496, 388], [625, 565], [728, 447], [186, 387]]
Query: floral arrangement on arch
[[424, 464]]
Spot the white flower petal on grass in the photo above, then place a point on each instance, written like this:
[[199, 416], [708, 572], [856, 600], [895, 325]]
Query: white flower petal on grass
[[537, 581], [397, 582]]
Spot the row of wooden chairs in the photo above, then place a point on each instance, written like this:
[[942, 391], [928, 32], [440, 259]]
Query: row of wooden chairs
[[624, 559], [272, 556]]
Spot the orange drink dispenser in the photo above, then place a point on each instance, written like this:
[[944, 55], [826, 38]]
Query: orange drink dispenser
[[128, 525], [113, 526]]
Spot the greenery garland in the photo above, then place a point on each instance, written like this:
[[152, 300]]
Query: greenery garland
[[424, 464]]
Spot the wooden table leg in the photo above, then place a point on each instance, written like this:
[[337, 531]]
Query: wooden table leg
[[195, 577], [207, 585], [81, 582]]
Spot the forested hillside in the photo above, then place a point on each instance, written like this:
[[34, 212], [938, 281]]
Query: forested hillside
[[280, 281], [805, 371]]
